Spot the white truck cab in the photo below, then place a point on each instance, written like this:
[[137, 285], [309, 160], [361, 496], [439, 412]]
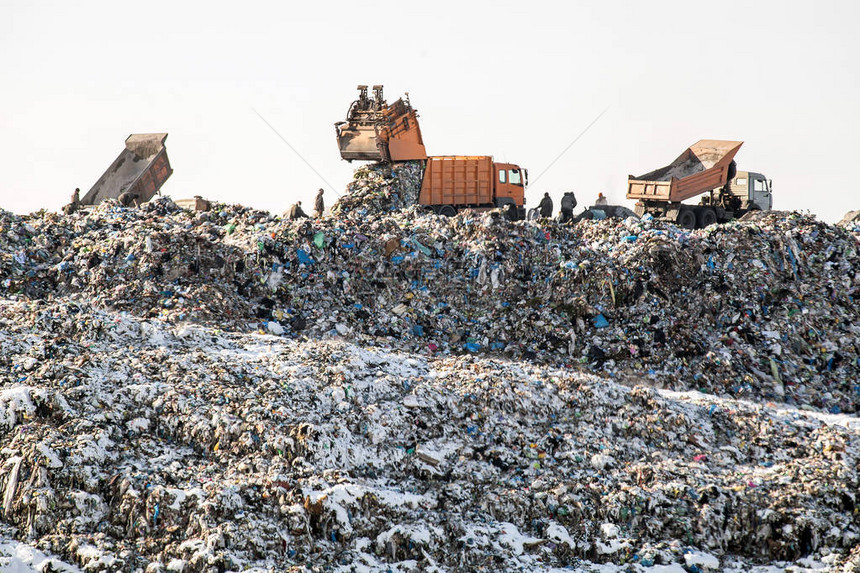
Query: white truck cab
[[754, 190]]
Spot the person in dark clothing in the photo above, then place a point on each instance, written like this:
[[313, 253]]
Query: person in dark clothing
[[568, 202], [545, 206], [73, 206], [296, 211], [128, 199], [319, 205], [512, 213]]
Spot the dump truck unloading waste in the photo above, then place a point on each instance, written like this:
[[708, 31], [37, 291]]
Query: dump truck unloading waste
[[707, 166], [376, 131], [140, 169]]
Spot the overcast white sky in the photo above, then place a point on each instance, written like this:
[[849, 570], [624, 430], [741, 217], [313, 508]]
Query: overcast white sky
[[516, 80]]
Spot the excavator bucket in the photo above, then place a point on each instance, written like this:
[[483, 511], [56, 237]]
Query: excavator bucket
[[358, 141], [375, 131]]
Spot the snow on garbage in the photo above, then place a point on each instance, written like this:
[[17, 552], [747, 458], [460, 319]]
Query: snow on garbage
[[248, 460], [388, 389]]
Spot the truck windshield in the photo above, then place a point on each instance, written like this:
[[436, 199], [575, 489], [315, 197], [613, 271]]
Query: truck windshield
[[515, 177]]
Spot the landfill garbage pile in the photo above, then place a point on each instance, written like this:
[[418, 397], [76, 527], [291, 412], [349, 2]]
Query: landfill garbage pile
[[763, 308], [380, 188], [851, 222], [136, 444]]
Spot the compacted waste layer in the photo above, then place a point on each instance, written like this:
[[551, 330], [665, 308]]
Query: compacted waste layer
[[764, 308], [130, 444]]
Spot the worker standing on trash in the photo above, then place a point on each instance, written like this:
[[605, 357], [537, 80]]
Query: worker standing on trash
[[296, 211], [568, 202], [601, 200], [319, 205], [545, 206]]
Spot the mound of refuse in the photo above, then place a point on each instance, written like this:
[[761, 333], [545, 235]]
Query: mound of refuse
[[131, 444], [764, 308], [380, 188], [389, 389]]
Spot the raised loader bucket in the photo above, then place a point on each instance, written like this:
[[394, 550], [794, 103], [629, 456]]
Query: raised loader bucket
[[375, 131], [357, 141]]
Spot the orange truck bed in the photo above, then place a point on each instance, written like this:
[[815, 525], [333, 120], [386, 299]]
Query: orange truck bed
[[457, 180], [701, 167], [471, 181]]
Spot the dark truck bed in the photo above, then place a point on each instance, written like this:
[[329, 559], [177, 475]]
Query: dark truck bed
[[141, 168]]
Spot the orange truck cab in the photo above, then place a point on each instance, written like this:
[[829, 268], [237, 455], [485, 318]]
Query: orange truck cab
[[454, 182]]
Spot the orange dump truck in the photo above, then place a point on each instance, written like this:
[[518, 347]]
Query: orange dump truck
[[376, 131], [707, 166], [457, 182]]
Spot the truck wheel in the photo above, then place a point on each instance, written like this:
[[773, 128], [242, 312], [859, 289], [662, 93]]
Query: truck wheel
[[686, 219], [447, 210], [706, 217]]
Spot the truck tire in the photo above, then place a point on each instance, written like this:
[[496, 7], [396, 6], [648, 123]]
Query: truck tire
[[686, 219], [706, 217], [447, 210]]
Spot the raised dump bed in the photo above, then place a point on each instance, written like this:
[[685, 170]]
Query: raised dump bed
[[702, 167], [141, 168]]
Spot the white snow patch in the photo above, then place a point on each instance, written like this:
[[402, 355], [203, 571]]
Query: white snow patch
[[415, 533], [510, 536], [558, 534], [52, 460], [138, 425], [14, 400], [18, 557], [702, 559]]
